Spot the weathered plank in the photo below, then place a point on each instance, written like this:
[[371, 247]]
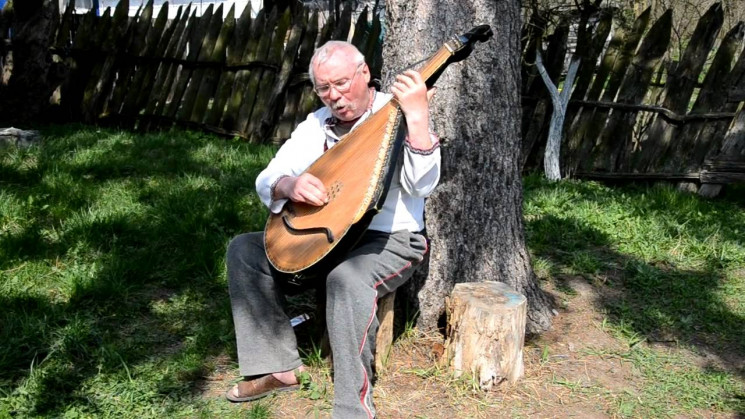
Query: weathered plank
[[126, 63], [168, 68], [679, 87], [361, 32], [589, 55], [209, 41], [726, 168], [268, 78], [727, 163], [592, 146], [258, 34], [689, 148], [327, 30], [64, 32], [6, 56], [147, 65], [617, 135], [584, 127], [733, 150], [692, 176], [373, 49], [267, 117], [250, 94], [156, 73], [227, 76], [671, 116], [736, 81], [85, 47], [195, 42], [146, 68], [211, 75], [102, 76], [343, 24], [299, 83]]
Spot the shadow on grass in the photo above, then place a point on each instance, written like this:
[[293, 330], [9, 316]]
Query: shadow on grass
[[653, 301], [114, 294]]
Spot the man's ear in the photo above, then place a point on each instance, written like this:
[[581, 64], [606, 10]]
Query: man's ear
[[366, 73]]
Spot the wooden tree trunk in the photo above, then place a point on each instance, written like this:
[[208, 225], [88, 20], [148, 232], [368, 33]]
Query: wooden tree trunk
[[486, 332], [537, 104], [34, 76], [474, 217], [551, 162]]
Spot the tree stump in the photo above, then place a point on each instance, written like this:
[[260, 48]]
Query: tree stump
[[486, 332]]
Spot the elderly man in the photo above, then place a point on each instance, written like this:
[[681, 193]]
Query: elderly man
[[381, 261]]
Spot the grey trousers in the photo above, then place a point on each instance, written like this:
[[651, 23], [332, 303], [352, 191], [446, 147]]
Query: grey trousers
[[266, 342]]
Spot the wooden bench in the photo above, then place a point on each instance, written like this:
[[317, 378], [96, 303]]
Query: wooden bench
[[384, 337]]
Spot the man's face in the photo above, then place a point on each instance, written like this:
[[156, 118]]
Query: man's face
[[342, 85]]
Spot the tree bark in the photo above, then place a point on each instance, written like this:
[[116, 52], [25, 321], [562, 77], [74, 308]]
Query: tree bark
[[34, 76], [474, 218]]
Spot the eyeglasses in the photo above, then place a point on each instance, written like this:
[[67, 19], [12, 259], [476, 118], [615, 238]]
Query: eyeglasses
[[341, 86]]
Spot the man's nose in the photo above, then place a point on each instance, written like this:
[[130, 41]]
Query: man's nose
[[333, 93]]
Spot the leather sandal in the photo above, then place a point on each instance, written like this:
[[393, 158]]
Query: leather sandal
[[248, 390]]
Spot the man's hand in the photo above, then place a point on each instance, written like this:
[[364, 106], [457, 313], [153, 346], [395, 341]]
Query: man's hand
[[412, 95], [305, 188]]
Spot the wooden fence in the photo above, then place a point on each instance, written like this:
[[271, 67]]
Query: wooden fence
[[636, 114], [245, 77]]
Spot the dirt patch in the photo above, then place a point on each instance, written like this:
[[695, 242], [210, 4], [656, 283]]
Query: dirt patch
[[574, 370]]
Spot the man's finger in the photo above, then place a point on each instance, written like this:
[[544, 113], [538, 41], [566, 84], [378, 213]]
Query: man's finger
[[310, 198], [414, 75], [406, 80], [431, 93], [318, 186]]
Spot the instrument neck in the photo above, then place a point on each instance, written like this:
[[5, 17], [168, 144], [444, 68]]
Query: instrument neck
[[434, 66]]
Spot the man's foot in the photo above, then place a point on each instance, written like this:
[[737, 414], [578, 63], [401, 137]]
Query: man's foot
[[256, 388]]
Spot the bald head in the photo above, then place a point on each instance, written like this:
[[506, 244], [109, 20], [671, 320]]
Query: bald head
[[342, 49]]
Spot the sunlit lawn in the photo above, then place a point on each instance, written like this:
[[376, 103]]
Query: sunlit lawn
[[113, 298]]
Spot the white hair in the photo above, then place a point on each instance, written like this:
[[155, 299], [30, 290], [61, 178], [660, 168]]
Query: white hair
[[328, 49]]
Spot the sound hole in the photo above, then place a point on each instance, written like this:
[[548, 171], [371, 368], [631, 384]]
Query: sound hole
[[334, 190]]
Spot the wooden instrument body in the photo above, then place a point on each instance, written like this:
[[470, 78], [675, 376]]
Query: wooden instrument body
[[356, 175]]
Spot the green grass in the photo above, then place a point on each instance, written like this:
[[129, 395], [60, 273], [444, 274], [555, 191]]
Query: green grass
[[673, 266], [113, 299], [112, 282]]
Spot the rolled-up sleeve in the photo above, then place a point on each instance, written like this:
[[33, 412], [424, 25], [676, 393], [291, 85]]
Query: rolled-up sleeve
[[421, 168]]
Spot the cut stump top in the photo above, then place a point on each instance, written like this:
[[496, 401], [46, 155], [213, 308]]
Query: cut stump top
[[489, 294]]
